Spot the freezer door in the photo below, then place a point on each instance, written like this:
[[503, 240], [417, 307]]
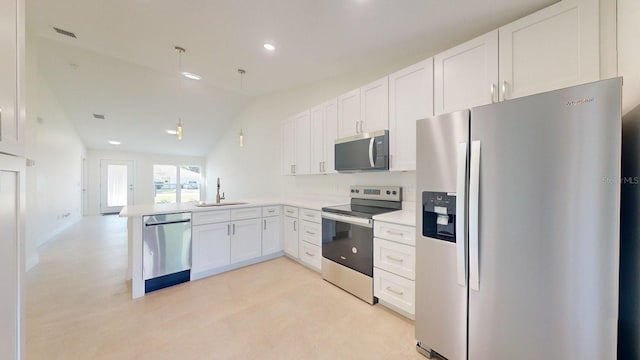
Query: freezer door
[[441, 293], [544, 279]]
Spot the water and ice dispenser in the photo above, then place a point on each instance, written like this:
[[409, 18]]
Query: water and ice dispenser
[[439, 215]]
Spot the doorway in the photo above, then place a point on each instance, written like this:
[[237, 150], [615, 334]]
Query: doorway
[[116, 185]]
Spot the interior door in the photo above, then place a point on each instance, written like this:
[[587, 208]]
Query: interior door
[[12, 200], [116, 185]]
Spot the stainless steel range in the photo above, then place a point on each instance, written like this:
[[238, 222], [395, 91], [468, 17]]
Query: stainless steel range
[[347, 238]]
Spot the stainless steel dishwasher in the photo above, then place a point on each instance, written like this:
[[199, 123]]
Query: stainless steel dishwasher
[[166, 242]]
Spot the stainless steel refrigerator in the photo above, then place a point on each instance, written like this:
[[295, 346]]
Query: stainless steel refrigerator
[[518, 217]]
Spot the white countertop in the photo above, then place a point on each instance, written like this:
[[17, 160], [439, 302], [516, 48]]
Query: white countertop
[[154, 209], [405, 216]]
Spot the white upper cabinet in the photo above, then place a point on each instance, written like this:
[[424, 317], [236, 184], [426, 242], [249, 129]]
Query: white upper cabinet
[[467, 75], [410, 99], [330, 135], [324, 127], [303, 144], [553, 48], [349, 114], [374, 106], [288, 147], [12, 75], [317, 139]]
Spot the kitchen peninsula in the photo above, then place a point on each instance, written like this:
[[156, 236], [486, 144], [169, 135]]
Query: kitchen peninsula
[[222, 237]]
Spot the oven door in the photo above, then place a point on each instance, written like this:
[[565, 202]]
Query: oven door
[[348, 240]]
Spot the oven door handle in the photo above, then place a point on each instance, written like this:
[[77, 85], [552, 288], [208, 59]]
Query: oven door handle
[[348, 219]]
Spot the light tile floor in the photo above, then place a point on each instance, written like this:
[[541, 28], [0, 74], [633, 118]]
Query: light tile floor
[[79, 307]]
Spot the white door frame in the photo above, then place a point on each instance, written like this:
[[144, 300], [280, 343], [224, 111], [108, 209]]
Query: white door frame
[[104, 163], [84, 182]]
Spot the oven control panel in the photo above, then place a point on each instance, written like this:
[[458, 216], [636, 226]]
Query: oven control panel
[[388, 193]]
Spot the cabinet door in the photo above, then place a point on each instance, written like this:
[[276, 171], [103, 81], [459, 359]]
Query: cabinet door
[[271, 235], [291, 236], [410, 99], [210, 246], [466, 75], [246, 240], [553, 48], [374, 104], [303, 144], [288, 147], [317, 139], [10, 119], [330, 135], [349, 113]]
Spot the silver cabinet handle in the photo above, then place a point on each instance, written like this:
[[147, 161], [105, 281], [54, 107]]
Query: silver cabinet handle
[[294, 225], [396, 233], [460, 201], [310, 232], [234, 229], [310, 254], [342, 257], [310, 215], [493, 93], [228, 229], [390, 289], [474, 203], [504, 90], [265, 224], [393, 258], [271, 211]]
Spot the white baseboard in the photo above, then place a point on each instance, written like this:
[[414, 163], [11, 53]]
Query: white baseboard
[[32, 262], [52, 234]]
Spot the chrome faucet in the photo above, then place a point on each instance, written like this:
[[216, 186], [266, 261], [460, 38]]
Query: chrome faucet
[[218, 197]]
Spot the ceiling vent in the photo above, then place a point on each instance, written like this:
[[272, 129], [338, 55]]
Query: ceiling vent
[[98, 116], [65, 32]]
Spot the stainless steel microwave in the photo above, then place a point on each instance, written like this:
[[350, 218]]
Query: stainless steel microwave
[[363, 152]]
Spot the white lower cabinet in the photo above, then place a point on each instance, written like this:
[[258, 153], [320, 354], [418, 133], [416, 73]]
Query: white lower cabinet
[[394, 266], [290, 229], [271, 235], [246, 240], [394, 290], [210, 246], [311, 255]]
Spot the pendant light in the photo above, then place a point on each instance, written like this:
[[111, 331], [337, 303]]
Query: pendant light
[[180, 51], [241, 140]]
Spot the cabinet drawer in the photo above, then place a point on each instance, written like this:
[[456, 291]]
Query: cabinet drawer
[[248, 213], [311, 255], [394, 232], [291, 211], [311, 232], [311, 215], [397, 258], [395, 290], [271, 210], [210, 217]]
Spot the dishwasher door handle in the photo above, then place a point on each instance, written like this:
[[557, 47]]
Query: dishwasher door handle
[[166, 222]]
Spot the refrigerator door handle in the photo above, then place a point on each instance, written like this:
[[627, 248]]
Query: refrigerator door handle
[[460, 214], [474, 202]]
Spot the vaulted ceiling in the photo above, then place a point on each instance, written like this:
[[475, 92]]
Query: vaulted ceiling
[[123, 63]]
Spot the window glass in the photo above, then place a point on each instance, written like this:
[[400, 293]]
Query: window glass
[[165, 178], [189, 183]]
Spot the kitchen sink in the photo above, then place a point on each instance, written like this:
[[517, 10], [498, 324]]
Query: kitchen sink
[[207, 204]]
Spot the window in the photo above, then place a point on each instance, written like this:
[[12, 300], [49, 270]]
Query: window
[[173, 186]]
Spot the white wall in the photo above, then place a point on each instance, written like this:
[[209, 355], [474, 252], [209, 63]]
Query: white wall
[[254, 170], [143, 173], [53, 184], [629, 52]]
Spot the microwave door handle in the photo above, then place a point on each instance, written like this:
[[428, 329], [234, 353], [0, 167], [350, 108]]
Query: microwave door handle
[[373, 164]]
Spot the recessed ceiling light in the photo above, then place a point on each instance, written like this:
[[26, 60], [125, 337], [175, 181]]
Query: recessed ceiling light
[[191, 75], [172, 132], [113, 142], [269, 47]]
